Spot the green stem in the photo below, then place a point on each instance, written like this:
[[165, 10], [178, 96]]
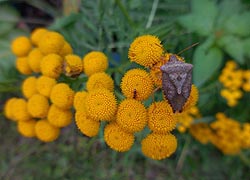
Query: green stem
[[125, 13], [244, 159], [183, 154], [152, 13]]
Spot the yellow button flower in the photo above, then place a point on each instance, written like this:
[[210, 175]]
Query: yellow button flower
[[118, 139], [29, 86], [9, 108], [37, 35], [27, 128], [193, 98], [94, 62], [51, 65], [159, 146], [66, 49], [161, 118], [72, 65], [137, 84], [79, 100], [101, 105], [131, 115], [59, 117], [45, 131], [100, 80], [86, 125], [44, 85], [20, 112], [22, 65], [51, 42], [34, 58], [38, 106], [146, 50], [21, 46], [201, 132], [62, 96]]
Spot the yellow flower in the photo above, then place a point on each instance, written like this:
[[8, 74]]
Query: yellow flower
[[100, 80], [59, 117], [44, 85], [66, 49], [137, 84], [38, 106], [29, 86], [86, 125], [37, 35], [161, 118], [22, 65], [45, 131], [9, 108], [72, 65], [27, 128], [62, 96], [118, 139], [159, 146], [245, 143], [94, 62], [51, 42], [34, 58], [131, 115], [193, 98], [146, 50], [79, 100], [201, 132], [101, 105], [51, 65], [20, 112], [21, 46], [246, 84]]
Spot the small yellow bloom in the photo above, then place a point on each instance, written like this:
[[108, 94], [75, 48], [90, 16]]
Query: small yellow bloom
[[27, 128], [37, 34], [59, 117], [131, 115], [86, 125], [66, 49], [201, 132], [118, 139], [34, 58], [193, 98], [137, 84], [44, 85], [22, 65], [159, 146], [94, 62], [101, 105], [9, 108], [29, 86], [21, 46], [20, 112], [62, 96], [38, 106], [51, 65], [72, 65], [79, 100], [146, 50], [245, 140], [45, 131], [100, 80]]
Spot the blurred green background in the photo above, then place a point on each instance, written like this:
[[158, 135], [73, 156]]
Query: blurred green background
[[220, 26]]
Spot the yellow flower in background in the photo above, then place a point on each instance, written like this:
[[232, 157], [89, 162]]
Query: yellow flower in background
[[51, 42], [131, 115], [201, 132], [118, 139], [161, 118], [51, 65], [21, 46], [22, 65], [145, 50], [36, 35], [86, 125], [44, 85], [101, 105], [34, 59], [159, 146], [66, 49], [246, 83], [72, 65], [45, 131], [79, 100], [245, 134], [94, 62], [29, 86], [38, 106], [27, 128], [9, 108], [100, 80], [20, 112], [62, 96], [193, 98], [59, 117]]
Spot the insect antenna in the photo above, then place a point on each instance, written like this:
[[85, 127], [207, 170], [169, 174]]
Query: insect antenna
[[187, 48]]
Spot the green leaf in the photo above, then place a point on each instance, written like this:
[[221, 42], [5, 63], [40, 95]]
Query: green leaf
[[207, 60], [64, 21], [246, 47], [201, 20]]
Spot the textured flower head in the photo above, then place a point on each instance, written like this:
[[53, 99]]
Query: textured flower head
[[79, 100], [118, 139], [72, 65], [66, 49], [27, 128], [159, 146], [101, 105], [146, 50], [20, 112], [131, 115], [29, 86], [44, 85], [45, 131], [34, 58], [137, 84], [21, 46], [193, 98], [22, 65], [94, 62], [62, 96], [9, 108], [36, 35], [100, 80], [38, 106]]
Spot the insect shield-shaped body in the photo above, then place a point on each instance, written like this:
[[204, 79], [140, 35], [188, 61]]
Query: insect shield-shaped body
[[176, 82]]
